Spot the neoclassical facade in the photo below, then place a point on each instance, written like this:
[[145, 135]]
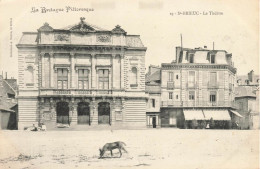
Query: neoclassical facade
[[81, 76]]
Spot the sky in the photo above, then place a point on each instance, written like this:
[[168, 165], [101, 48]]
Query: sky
[[235, 30]]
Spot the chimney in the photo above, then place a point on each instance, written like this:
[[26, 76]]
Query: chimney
[[178, 51], [205, 47], [251, 76]]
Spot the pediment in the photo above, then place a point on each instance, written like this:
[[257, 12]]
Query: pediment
[[82, 26]]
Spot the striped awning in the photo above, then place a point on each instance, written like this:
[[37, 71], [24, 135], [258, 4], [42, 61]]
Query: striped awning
[[216, 114], [236, 113], [193, 114]]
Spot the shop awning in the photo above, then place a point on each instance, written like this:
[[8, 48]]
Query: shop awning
[[193, 114], [217, 114], [236, 113]]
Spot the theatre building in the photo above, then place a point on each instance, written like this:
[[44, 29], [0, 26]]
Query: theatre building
[[81, 76], [197, 85]]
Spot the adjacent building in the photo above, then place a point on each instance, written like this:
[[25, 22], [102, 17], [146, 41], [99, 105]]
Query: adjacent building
[[247, 100], [81, 76], [197, 85], [153, 89], [8, 103]]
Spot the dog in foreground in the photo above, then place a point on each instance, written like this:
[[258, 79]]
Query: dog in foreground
[[111, 146]]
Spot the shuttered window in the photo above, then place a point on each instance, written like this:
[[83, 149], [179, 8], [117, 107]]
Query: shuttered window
[[83, 76], [62, 78], [213, 96], [191, 79], [170, 76], [103, 79]]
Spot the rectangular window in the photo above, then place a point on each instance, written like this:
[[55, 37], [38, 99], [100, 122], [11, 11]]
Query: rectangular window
[[212, 59], [191, 95], [153, 102], [213, 79], [103, 79], [170, 78], [83, 79], [191, 60], [212, 96], [191, 79], [62, 78], [170, 95]]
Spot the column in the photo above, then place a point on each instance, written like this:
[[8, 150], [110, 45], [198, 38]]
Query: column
[[41, 107], [93, 72], [74, 113], [123, 109], [51, 69], [112, 70], [112, 115], [93, 112], [53, 110], [122, 86], [72, 70]]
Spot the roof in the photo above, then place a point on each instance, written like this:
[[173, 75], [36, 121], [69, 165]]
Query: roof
[[7, 88], [200, 49], [6, 108], [12, 83], [133, 41], [244, 91], [243, 80], [153, 77], [28, 38]]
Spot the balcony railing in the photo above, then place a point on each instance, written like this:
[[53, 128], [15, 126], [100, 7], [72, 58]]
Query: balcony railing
[[197, 104], [190, 85], [172, 85]]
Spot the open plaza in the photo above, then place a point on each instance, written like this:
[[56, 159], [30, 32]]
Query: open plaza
[[160, 148]]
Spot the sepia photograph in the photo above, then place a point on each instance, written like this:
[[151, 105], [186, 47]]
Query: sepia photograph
[[129, 84]]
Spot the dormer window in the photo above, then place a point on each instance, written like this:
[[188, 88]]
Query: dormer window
[[212, 58], [191, 58]]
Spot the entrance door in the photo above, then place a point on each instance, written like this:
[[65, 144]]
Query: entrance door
[[154, 122], [62, 112], [83, 113], [103, 113]]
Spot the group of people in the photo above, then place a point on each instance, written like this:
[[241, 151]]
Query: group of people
[[41, 127]]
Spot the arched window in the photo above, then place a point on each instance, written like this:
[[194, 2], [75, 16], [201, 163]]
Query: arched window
[[133, 77], [29, 74]]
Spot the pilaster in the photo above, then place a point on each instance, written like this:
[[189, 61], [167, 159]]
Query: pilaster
[[42, 70], [72, 70], [51, 70], [122, 85], [93, 71]]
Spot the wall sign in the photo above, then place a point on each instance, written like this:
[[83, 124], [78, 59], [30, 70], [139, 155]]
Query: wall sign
[[61, 37], [103, 38], [119, 116]]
